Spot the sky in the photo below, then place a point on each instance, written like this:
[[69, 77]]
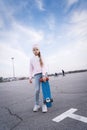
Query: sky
[[58, 26]]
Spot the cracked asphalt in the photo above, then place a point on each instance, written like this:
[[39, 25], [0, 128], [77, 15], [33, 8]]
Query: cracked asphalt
[[17, 100]]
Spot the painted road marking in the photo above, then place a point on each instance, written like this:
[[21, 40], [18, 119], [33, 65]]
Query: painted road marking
[[70, 114]]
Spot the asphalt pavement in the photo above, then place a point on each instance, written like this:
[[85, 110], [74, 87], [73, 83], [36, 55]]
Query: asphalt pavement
[[68, 111]]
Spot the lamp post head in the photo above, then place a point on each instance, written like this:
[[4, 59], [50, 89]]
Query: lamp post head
[[12, 58]]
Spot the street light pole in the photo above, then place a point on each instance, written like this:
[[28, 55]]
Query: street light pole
[[13, 66]]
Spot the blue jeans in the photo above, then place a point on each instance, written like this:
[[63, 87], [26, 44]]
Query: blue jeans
[[37, 87]]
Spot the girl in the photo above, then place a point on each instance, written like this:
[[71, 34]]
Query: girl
[[38, 70]]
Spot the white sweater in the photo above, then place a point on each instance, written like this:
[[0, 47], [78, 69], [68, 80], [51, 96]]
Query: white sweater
[[35, 67]]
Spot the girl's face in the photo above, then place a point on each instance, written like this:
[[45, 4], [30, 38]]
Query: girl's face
[[36, 51]]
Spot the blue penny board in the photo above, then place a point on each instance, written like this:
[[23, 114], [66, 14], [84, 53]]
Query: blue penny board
[[46, 92]]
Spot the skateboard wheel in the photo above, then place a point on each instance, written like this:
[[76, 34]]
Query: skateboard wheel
[[48, 100]]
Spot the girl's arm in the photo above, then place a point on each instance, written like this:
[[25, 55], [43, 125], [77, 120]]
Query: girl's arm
[[44, 69], [44, 72]]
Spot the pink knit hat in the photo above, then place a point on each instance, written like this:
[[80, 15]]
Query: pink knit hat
[[35, 46]]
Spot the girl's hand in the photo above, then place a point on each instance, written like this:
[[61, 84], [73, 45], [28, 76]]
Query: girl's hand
[[30, 80], [44, 79]]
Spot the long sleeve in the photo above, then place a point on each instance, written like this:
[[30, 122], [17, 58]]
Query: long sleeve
[[44, 69], [35, 67]]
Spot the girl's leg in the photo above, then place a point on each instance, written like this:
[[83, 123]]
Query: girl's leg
[[37, 88]]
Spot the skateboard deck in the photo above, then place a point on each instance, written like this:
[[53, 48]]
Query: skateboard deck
[[46, 92]]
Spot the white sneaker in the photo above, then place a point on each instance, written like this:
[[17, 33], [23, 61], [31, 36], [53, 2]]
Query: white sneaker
[[36, 108], [44, 108]]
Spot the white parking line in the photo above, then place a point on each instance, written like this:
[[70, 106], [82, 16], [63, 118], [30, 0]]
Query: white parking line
[[70, 114]]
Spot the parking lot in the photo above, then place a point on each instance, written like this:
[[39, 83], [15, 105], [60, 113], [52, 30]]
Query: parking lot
[[68, 112]]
